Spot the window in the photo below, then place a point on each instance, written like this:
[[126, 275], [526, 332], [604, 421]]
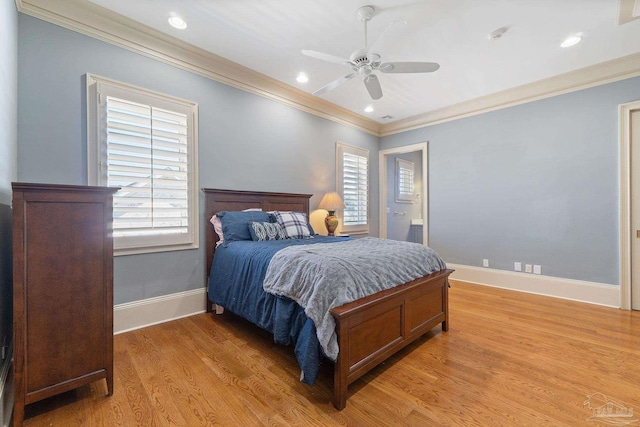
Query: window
[[353, 186], [145, 143], [404, 181]]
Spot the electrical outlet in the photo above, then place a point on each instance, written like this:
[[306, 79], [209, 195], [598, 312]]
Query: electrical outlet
[[485, 263], [537, 269], [517, 266], [528, 268]]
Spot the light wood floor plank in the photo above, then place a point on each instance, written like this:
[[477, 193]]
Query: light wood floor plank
[[509, 358]]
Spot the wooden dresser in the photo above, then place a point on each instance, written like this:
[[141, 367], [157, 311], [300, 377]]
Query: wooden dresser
[[63, 290]]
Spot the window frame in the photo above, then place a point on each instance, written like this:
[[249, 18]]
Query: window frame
[[341, 149], [97, 89]]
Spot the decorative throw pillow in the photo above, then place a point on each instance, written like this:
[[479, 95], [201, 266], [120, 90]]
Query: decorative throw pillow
[[261, 231], [294, 224], [311, 230], [235, 225]]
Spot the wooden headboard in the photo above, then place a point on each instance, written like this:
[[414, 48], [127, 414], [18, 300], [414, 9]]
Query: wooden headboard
[[230, 200]]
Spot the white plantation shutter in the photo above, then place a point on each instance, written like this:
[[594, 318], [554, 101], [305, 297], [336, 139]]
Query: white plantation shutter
[[147, 148], [353, 185], [147, 157], [405, 177]]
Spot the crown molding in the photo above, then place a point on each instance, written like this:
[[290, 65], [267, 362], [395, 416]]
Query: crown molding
[[97, 22], [595, 75], [94, 21]]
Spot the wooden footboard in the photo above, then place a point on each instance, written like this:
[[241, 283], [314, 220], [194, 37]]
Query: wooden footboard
[[370, 330]]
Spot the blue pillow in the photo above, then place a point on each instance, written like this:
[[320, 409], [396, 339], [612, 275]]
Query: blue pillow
[[235, 225]]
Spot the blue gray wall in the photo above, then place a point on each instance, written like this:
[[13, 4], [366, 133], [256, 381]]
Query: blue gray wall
[[536, 183], [246, 142], [8, 163], [398, 225]]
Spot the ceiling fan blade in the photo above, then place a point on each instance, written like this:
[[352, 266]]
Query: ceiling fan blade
[[373, 86], [334, 84], [326, 57], [408, 67], [374, 45]]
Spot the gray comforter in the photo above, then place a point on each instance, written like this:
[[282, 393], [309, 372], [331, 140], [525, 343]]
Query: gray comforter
[[323, 276]]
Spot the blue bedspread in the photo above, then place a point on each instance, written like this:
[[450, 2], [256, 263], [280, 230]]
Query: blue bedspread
[[236, 279]]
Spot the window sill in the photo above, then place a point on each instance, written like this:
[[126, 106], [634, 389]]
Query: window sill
[[153, 249], [352, 233]]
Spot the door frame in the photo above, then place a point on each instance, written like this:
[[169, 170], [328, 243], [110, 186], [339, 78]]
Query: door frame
[[382, 177], [626, 234]]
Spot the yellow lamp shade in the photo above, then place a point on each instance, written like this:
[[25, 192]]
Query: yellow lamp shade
[[331, 202]]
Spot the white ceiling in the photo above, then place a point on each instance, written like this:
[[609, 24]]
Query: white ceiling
[[268, 35]]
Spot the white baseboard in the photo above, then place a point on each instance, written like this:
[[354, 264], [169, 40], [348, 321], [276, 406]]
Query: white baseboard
[[6, 390], [151, 311], [575, 290]]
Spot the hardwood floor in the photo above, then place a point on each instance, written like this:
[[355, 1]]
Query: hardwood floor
[[508, 359]]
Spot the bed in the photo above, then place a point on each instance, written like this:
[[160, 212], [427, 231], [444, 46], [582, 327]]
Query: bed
[[369, 330]]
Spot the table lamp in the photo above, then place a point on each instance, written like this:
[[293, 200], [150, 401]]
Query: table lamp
[[331, 202]]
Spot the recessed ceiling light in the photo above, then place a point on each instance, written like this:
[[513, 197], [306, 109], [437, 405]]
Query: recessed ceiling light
[[368, 109], [302, 78], [177, 22], [571, 40]]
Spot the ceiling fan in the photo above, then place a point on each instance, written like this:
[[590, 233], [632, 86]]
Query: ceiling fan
[[365, 61]]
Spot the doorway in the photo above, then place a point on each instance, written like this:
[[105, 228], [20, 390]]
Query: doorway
[[403, 193], [630, 206]]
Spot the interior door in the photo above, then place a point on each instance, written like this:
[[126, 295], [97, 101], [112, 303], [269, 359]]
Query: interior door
[[635, 210]]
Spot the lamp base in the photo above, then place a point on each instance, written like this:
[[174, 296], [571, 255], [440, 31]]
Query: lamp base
[[331, 222]]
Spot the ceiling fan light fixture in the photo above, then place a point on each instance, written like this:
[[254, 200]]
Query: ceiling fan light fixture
[[302, 78], [176, 22], [365, 62], [572, 40]]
